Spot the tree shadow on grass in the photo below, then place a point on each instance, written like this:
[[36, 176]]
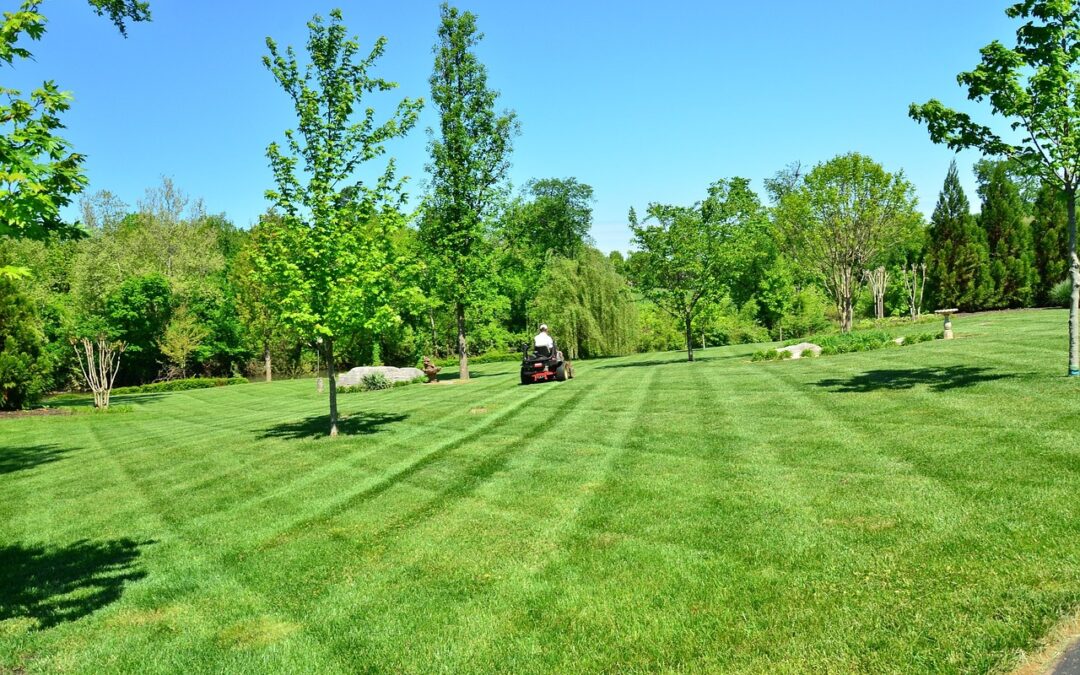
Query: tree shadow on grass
[[22, 457], [472, 376], [646, 364], [54, 585], [357, 424], [937, 379]]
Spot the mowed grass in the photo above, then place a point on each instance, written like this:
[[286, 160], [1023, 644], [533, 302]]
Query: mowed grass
[[913, 509]]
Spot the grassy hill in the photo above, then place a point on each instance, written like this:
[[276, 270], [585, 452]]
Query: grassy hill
[[908, 509]]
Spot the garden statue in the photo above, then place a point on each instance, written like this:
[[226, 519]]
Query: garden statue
[[431, 370]]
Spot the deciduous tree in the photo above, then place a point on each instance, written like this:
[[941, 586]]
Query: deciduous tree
[[847, 214], [588, 306], [1036, 85], [330, 258], [470, 155], [39, 171], [687, 256]]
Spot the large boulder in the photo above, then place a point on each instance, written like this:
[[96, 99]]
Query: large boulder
[[798, 350], [353, 377]]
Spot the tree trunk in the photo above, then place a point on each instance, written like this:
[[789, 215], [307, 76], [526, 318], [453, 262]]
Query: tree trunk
[[331, 376], [689, 340], [1074, 305], [434, 334], [266, 361], [846, 312], [463, 351]]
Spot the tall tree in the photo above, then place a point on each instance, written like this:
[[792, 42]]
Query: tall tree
[[687, 256], [550, 219], [1050, 229], [558, 217], [470, 156], [39, 172], [330, 258], [958, 264], [1008, 238], [844, 217], [1036, 84]]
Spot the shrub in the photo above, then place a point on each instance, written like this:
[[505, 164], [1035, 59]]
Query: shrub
[[375, 382], [921, 337], [844, 343], [1061, 293], [181, 385], [765, 355], [25, 368]]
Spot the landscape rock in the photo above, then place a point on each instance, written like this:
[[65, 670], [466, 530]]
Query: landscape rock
[[797, 351], [354, 376]]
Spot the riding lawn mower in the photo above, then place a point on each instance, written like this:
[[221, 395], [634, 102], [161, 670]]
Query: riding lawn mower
[[543, 364]]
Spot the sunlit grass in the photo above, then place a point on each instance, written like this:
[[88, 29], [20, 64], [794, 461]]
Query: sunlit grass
[[907, 509]]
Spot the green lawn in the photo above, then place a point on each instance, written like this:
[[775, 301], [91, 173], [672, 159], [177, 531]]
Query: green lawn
[[913, 509]]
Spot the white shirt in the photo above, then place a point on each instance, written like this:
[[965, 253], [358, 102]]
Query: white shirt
[[542, 339]]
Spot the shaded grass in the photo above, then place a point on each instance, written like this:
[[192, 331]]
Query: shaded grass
[[901, 510]]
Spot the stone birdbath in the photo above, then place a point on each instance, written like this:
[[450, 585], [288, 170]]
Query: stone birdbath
[[947, 313]]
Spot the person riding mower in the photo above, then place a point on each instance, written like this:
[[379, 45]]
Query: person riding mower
[[542, 361]]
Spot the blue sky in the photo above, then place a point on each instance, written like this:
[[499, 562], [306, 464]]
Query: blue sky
[[645, 101]]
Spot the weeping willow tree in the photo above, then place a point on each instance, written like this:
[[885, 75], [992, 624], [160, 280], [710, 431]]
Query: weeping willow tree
[[587, 304]]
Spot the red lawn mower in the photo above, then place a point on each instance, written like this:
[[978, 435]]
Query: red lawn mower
[[543, 364]]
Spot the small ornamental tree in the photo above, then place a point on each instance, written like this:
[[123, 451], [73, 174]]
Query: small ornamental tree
[[1034, 84], [255, 304], [913, 276], [181, 338], [329, 258], [99, 361]]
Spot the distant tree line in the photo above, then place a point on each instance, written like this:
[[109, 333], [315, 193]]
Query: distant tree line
[[339, 272]]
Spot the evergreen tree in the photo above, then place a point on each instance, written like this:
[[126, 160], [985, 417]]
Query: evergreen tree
[[957, 258], [1008, 237], [1050, 230]]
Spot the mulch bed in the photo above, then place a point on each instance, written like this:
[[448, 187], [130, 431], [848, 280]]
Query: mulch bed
[[36, 412]]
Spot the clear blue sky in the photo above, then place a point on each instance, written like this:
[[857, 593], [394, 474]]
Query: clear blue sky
[[645, 101]]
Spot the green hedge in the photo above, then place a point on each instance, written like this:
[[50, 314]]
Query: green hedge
[[181, 385]]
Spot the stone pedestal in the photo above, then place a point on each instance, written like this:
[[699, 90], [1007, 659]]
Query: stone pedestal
[[947, 333]]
